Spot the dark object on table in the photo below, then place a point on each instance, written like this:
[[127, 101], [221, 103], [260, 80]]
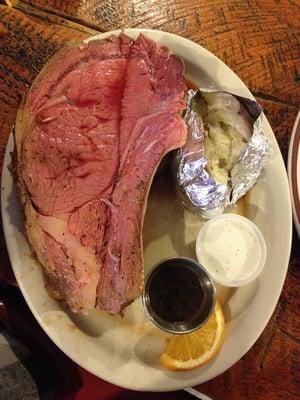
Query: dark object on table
[[21, 375]]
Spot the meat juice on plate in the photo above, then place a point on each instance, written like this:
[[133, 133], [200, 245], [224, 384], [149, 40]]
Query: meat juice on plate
[[170, 230]]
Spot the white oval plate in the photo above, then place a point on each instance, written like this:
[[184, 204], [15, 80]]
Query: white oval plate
[[125, 351]]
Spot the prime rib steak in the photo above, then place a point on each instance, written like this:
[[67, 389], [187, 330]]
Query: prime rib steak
[[89, 138]]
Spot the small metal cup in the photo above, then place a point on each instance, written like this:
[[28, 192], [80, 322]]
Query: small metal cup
[[208, 294]]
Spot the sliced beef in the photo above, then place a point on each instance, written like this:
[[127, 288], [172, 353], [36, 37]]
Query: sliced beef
[[70, 151], [150, 127], [94, 127], [67, 143], [71, 267]]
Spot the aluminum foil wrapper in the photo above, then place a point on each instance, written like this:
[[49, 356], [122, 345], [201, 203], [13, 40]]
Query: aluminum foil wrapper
[[197, 189]]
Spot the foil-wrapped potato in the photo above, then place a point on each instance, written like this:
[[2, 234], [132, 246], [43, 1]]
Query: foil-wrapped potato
[[224, 153]]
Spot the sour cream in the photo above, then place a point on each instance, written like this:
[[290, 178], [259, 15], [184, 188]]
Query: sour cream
[[232, 249]]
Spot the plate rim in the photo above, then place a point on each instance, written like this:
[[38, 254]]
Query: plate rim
[[177, 384], [293, 166]]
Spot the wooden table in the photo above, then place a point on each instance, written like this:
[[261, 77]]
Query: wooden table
[[258, 40]]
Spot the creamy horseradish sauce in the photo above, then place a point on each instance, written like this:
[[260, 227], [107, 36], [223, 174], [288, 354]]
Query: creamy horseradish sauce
[[230, 249]]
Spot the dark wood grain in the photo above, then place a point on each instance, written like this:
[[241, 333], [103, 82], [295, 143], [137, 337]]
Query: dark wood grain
[[259, 43], [281, 118], [26, 43], [259, 40]]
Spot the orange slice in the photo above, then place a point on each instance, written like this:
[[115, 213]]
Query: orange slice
[[184, 352]]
